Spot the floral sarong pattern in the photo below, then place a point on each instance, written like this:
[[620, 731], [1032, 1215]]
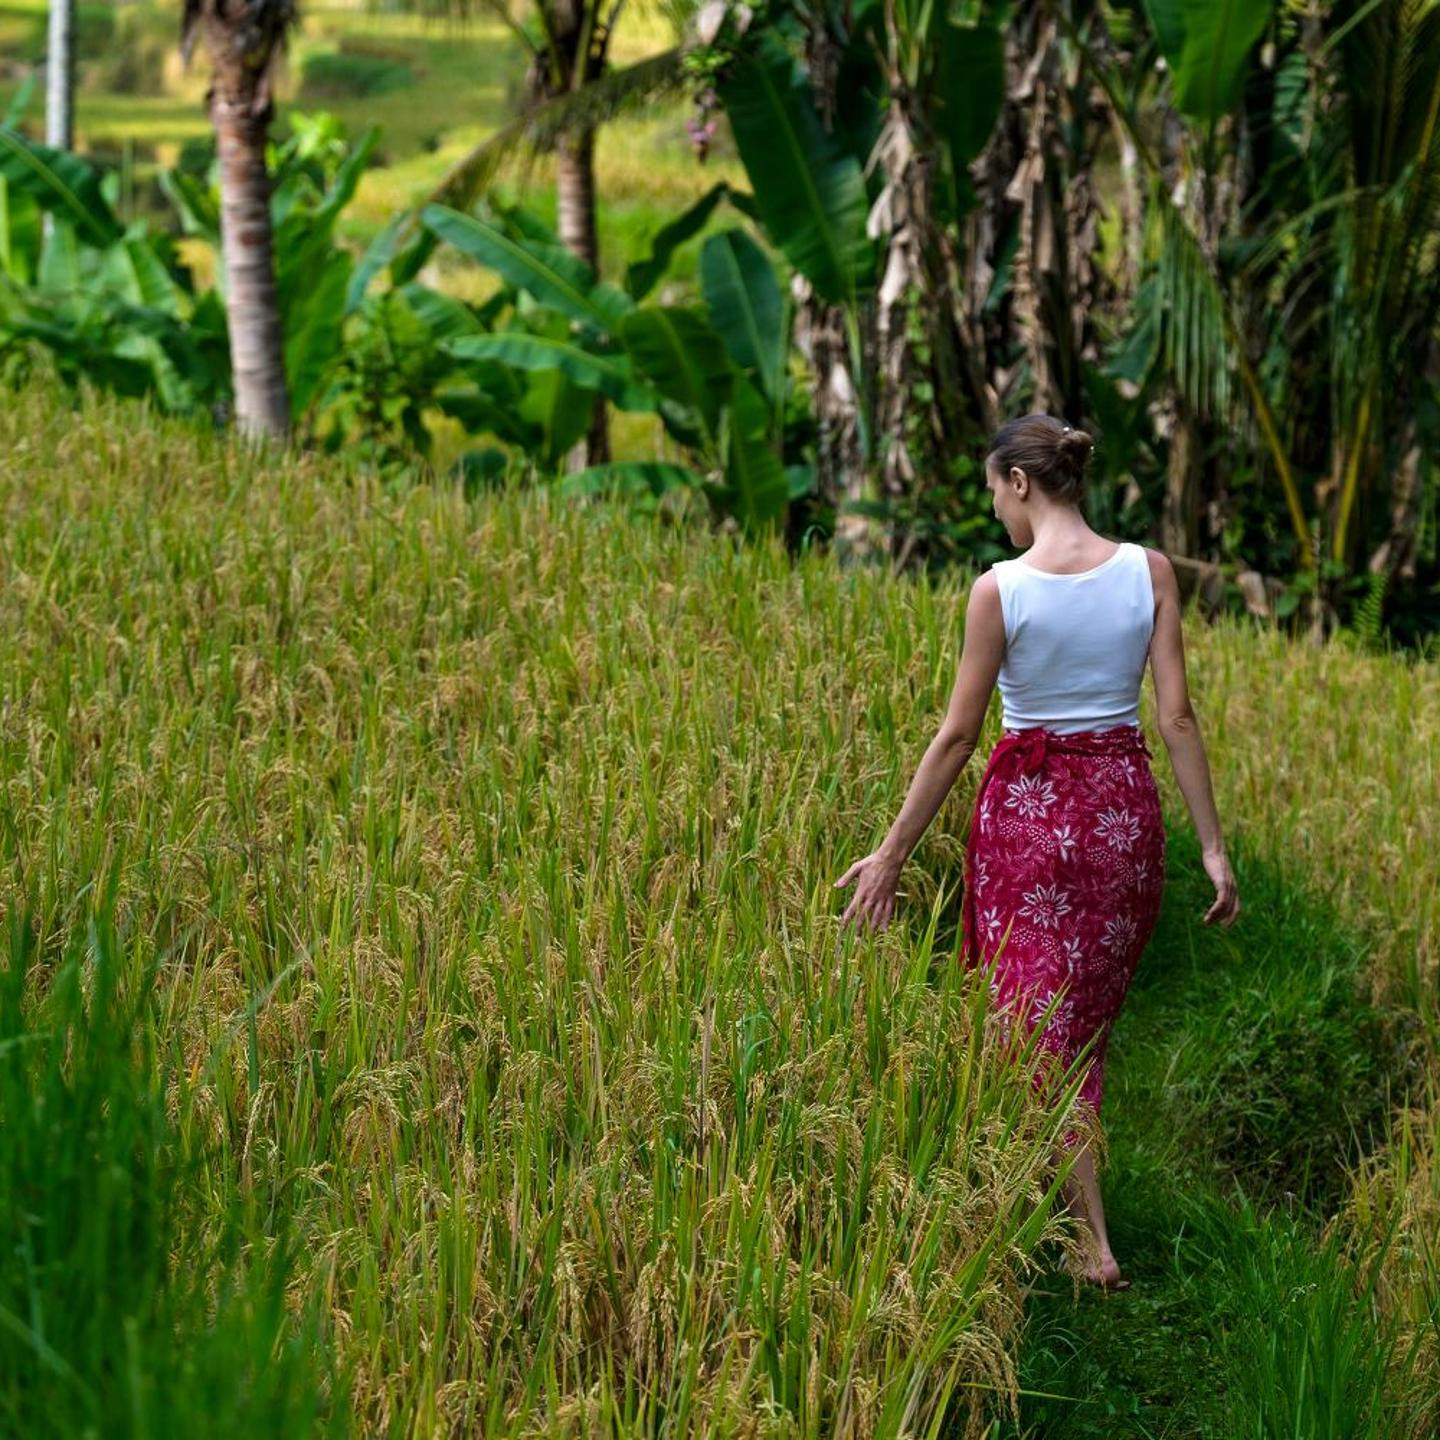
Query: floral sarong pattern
[[1065, 869]]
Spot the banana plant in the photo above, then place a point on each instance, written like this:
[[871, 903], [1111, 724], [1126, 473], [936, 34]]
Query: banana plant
[[856, 125], [713, 374], [108, 301], [114, 303]]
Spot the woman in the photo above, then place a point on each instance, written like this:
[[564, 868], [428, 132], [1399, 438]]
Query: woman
[[1066, 857]]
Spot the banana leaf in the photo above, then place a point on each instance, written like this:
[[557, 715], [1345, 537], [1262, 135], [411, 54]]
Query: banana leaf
[[808, 189]]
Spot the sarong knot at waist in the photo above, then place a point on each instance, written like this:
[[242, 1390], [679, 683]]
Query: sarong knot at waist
[[1030, 746], [1023, 752]]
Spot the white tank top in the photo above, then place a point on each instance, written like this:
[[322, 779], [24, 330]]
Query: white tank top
[[1075, 645]]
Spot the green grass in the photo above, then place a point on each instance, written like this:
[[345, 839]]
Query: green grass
[[1243, 1319], [134, 1300]]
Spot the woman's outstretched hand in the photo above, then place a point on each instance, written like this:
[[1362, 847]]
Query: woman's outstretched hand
[[1227, 897], [874, 897]]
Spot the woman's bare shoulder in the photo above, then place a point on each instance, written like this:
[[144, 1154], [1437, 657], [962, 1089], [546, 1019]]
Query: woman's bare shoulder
[[1162, 572]]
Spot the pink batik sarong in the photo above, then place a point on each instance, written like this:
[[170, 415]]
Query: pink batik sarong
[[1065, 865]]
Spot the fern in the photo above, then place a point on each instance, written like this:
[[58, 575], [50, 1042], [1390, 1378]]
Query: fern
[[1368, 622]]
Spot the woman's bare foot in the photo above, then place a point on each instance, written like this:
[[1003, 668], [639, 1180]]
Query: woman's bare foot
[[1108, 1276]]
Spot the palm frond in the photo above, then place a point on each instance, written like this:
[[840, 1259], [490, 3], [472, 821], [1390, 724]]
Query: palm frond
[[1196, 345], [600, 101]]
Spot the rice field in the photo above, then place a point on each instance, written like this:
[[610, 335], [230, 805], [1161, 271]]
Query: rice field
[[454, 83], [424, 995]]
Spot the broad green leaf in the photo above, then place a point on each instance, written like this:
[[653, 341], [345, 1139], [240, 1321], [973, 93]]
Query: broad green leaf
[[312, 329], [970, 88], [527, 224], [755, 478], [194, 203], [641, 275], [411, 253], [1135, 353], [683, 357], [809, 190], [1219, 36], [60, 272], [347, 179], [159, 341], [611, 377], [548, 272], [134, 272], [1207, 44], [745, 304], [559, 408], [20, 100], [20, 234], [628, 477], [61, 183], [799, 480], [1167, 19], [378, 254], [480, 412], [443, 316]]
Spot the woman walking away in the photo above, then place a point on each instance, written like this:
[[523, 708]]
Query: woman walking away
[[1066, 856]]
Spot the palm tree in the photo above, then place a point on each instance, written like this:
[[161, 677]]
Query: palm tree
[[243, 38], [60, 76], [571, 91], [1329, 208]]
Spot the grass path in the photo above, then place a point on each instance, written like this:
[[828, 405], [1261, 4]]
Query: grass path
[[1236, 1072]]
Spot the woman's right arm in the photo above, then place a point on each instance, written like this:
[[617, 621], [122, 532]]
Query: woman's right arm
[[1180, 730]]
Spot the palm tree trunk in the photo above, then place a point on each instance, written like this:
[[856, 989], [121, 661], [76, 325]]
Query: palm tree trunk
[[575, 195], [60, 76], [575, 207], [262, 404]]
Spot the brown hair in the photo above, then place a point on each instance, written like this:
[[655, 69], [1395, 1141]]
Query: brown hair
[[1048, 450]]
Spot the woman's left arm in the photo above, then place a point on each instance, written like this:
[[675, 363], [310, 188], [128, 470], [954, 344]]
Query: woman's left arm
[[944, 759]]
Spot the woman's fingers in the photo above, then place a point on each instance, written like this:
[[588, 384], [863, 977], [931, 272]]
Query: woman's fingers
[[1225, 907], [870, 903]]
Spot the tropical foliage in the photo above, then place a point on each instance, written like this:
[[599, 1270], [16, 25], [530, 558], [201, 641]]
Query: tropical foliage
[[1204, 233]]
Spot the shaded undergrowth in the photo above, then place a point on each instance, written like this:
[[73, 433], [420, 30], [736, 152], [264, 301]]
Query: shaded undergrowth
[[134, 1301], [1247, 1073]]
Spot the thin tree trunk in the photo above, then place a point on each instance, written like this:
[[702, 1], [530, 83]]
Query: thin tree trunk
[[575, 206], [575, 196], [1180, 513], [262, 404], [60, 76], [819, 332]]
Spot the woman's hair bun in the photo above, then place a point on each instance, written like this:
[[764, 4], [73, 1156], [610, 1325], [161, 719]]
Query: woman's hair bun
[[1053, 454], [1072, 450]]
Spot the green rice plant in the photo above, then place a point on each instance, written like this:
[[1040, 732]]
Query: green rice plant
[[490, 848], [1390, 1222], [1313, 1354], [126, 1310]]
